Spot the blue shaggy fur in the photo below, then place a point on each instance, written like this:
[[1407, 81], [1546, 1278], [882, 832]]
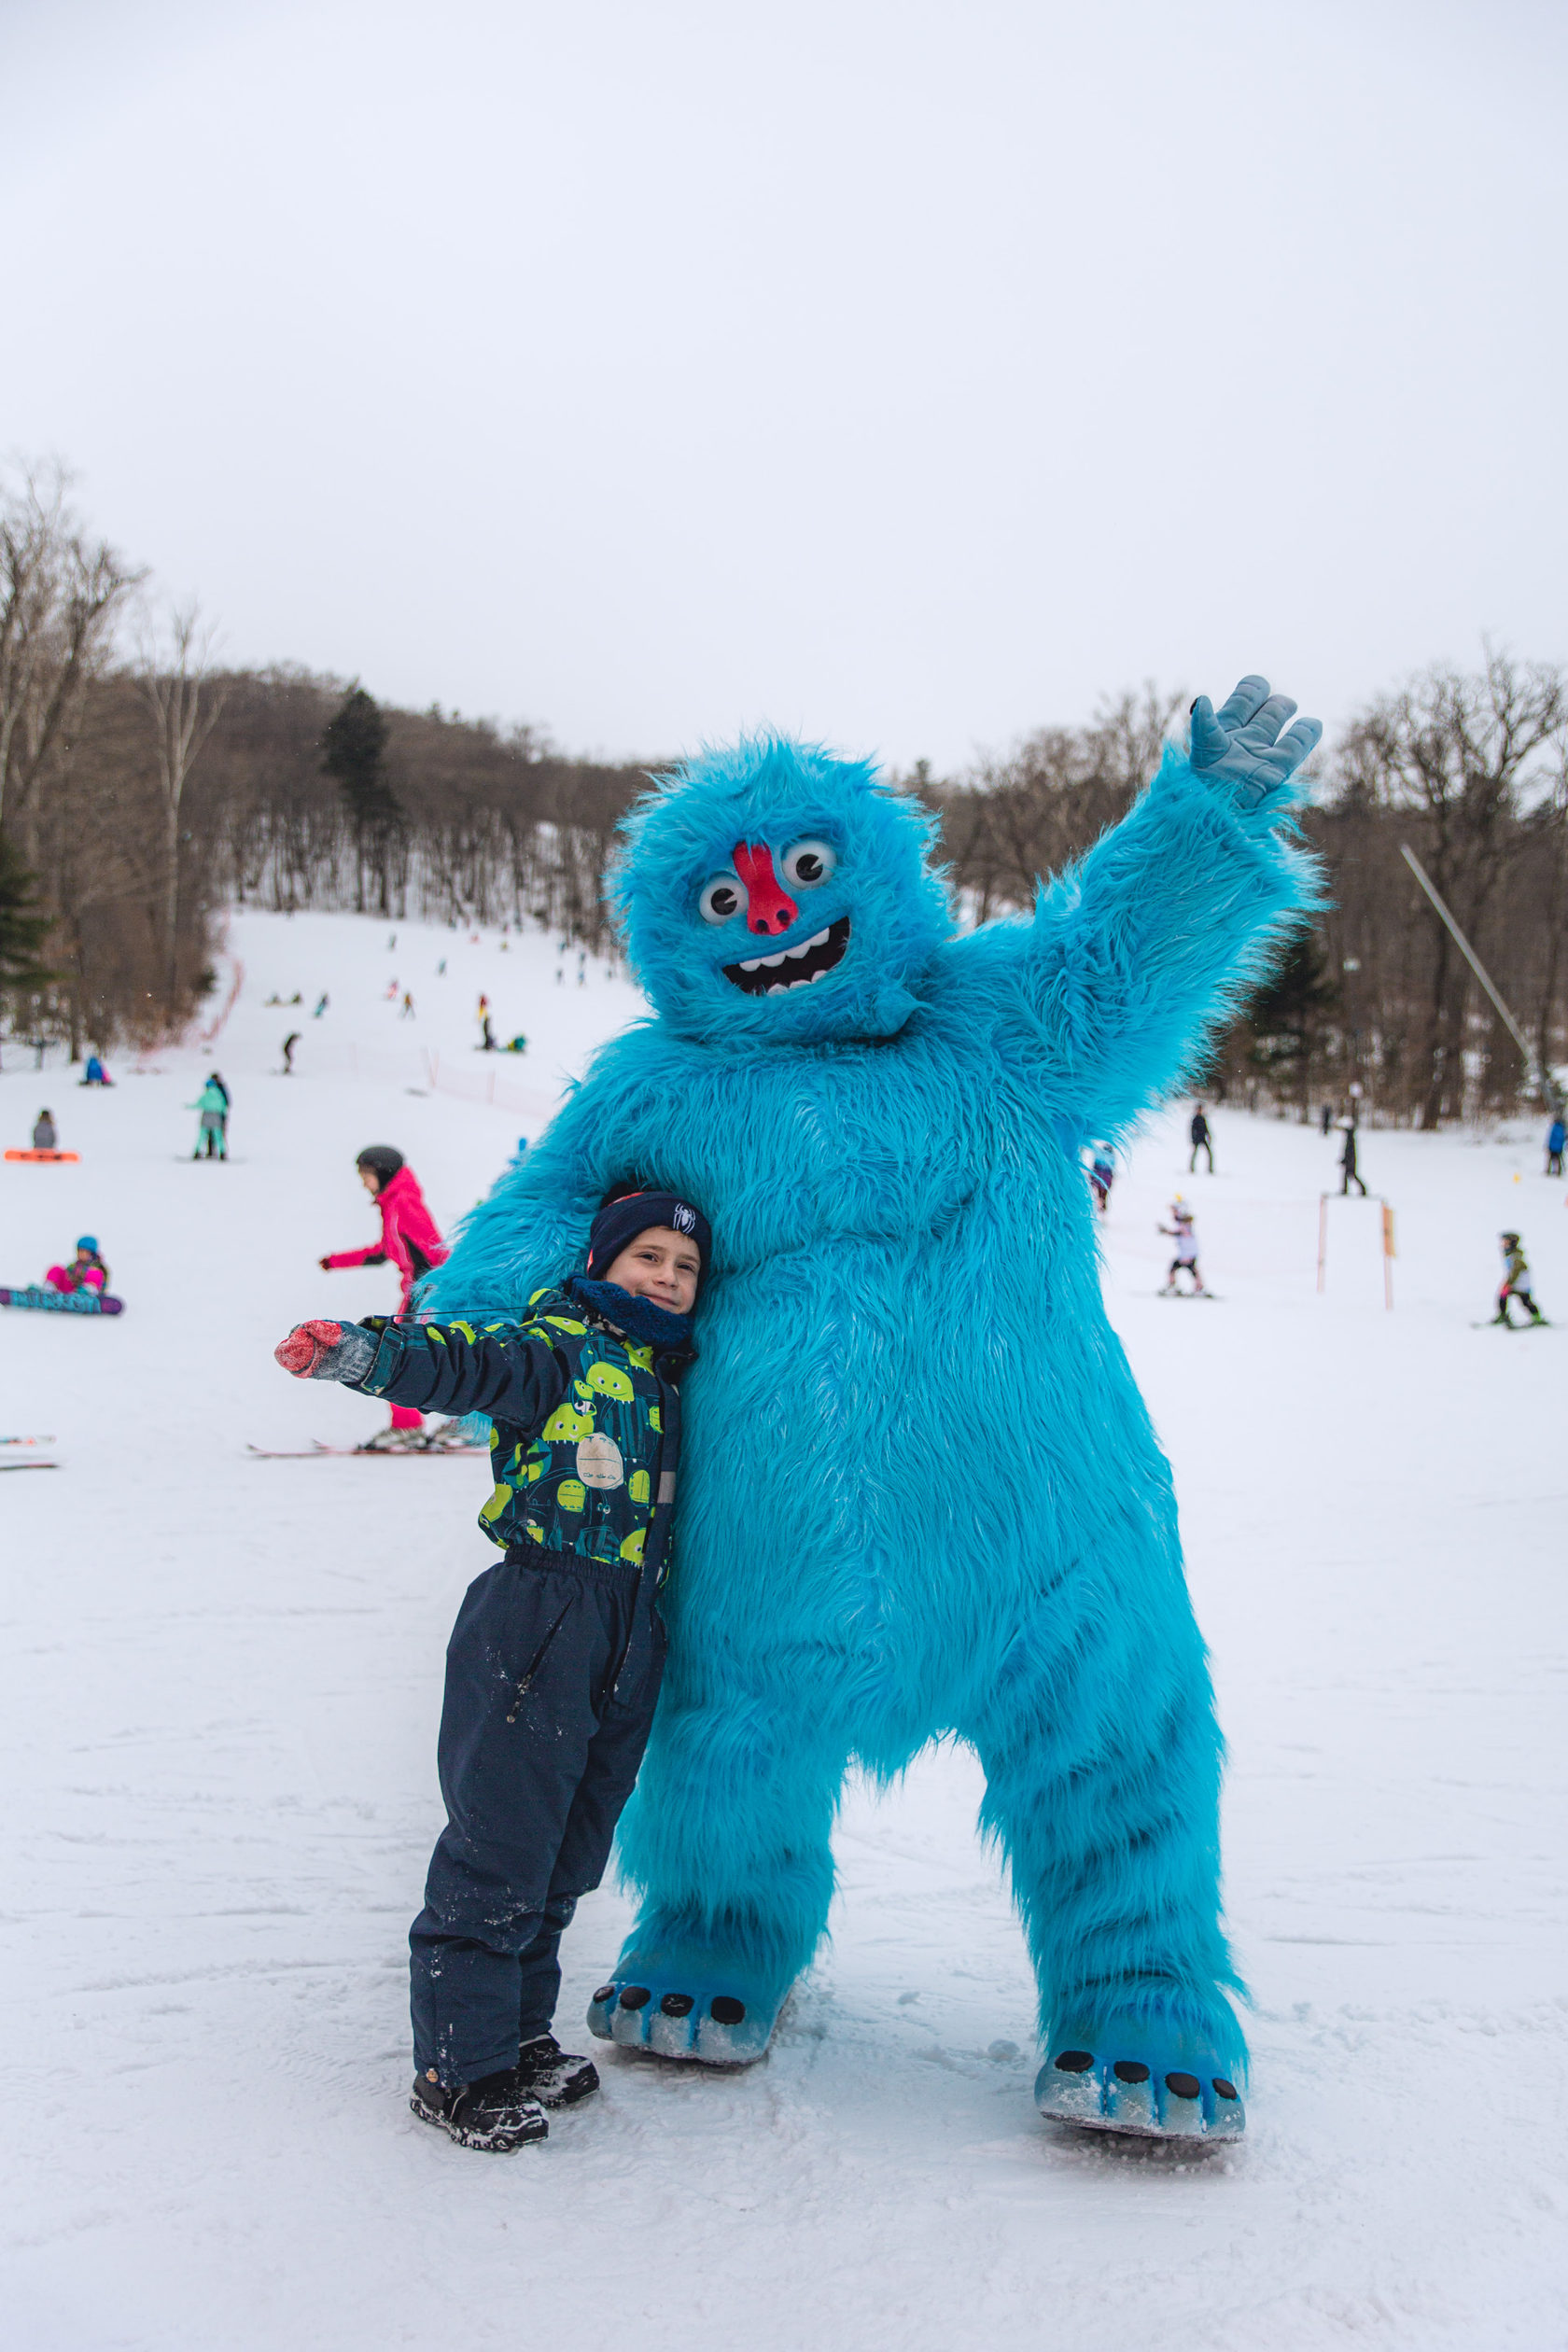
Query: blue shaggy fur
[[921, 1493]]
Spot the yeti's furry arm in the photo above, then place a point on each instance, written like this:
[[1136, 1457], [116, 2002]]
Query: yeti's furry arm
[[532, 1230], [1139, 953]]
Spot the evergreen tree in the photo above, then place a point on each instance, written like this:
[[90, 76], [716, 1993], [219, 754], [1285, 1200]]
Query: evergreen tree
[[354, 751], [24, 927], [1286, 1017]]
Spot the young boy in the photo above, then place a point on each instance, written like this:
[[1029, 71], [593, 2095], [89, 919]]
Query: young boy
[[1514, 1283], [555, 1661]]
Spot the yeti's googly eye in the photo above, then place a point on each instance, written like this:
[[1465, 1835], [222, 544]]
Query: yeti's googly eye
[[808, 863], [722, 897]]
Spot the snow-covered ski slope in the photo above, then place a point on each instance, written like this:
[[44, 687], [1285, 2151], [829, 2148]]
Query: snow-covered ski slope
[[222, 1684]]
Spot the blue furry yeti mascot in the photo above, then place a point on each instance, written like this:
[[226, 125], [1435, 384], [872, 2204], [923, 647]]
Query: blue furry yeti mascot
[[922, 1493]]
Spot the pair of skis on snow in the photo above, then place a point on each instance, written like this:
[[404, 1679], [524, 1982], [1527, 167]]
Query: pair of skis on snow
[[317, 1451]]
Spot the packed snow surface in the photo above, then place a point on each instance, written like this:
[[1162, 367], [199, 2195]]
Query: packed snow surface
[[222, 1684]]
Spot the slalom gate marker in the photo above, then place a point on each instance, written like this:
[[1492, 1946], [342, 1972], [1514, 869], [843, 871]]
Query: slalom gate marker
[[1389, 1251], [43, 1155]]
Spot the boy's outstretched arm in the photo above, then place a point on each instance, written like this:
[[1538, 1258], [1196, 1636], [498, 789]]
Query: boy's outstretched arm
[[511, 1377], [532, 1229], [1137, 953]]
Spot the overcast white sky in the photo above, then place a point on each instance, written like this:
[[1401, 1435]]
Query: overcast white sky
[[905, 372]]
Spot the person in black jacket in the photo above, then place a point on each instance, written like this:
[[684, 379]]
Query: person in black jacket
[[555, 1664], [1347, 1163], [1201, 1141]]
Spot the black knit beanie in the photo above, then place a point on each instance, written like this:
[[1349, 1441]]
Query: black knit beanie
[[622, 1215]]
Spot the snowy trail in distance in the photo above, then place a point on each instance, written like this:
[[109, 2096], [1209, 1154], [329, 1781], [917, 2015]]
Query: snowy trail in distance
[[222, 1680]]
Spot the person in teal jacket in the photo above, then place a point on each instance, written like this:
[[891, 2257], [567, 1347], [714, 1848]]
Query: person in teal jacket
[[212, 1104]]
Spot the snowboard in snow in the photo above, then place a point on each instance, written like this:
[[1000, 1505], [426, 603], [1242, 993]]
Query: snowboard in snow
[[27, 1454], [53, 1302], [43, 1155]]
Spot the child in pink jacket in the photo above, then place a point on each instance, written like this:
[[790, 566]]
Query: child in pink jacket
[[410, 1239]]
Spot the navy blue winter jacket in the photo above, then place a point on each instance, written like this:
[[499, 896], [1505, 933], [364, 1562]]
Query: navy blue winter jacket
[[586, 1437]]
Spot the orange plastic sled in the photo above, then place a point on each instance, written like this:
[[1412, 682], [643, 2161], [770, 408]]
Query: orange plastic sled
[[43, 1155]]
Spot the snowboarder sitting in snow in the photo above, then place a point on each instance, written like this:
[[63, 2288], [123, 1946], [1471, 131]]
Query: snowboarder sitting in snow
[[1514, 1283], [410, 1239], [555, 1660], [45, 1137], [1185, 1234], [87, 1270]]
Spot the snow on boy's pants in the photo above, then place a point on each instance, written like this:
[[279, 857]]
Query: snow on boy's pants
[[552, 1672]]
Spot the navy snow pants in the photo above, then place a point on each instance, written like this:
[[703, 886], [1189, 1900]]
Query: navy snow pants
[[552, 1672]]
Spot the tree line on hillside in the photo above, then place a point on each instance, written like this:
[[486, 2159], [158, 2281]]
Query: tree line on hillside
[[144, 789]]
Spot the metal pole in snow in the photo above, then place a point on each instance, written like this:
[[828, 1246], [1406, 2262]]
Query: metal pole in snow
[[1323, 1237], [1537, 1076]]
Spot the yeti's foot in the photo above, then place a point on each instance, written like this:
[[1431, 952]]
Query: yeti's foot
[[1129, 2077], [689, 2001]]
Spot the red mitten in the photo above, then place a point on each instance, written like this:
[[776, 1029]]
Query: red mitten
[[306, 1344]]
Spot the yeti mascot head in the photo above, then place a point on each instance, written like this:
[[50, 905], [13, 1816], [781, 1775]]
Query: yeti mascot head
[[771, 894]]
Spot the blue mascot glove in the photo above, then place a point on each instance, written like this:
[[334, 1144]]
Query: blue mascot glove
[[1239, 745]]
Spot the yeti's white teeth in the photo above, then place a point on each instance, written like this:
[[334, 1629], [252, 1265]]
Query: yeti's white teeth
[[771, 960], [780, 987], [806, 945], [749, 963]]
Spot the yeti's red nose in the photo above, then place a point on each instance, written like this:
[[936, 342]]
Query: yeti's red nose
[[768, 909]]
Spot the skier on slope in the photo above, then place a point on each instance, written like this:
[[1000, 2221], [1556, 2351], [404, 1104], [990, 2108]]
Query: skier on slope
[[410, 1239], [1515, 1284], [1102, 1175], [1202, 1140], [1185, 1234]]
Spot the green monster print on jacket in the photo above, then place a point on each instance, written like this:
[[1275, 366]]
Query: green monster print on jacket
[[585, 1422]]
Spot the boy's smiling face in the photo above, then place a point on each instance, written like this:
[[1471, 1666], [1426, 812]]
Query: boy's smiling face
[[661, 1265]]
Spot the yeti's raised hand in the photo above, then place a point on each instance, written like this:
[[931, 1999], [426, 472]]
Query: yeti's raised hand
[[1239, 745]]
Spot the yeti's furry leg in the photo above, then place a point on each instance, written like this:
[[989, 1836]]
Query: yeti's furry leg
[[1103, 1772], [727, 1840]]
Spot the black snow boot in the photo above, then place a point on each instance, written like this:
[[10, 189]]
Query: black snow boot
[[554, 2076], [498, 2112]]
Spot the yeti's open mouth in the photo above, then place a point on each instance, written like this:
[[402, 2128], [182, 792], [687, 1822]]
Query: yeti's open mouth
[[792, 966]]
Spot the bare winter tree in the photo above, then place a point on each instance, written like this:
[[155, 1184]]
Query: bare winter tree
[[1461, 757], [60, 597], [175, 673]]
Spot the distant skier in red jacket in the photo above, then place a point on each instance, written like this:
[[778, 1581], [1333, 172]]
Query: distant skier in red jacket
[[410, 1239]]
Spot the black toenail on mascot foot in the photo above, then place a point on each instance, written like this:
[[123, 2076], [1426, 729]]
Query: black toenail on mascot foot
[[1129, 2095], [677, 2005], [724, 2011], [635, 1997]]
